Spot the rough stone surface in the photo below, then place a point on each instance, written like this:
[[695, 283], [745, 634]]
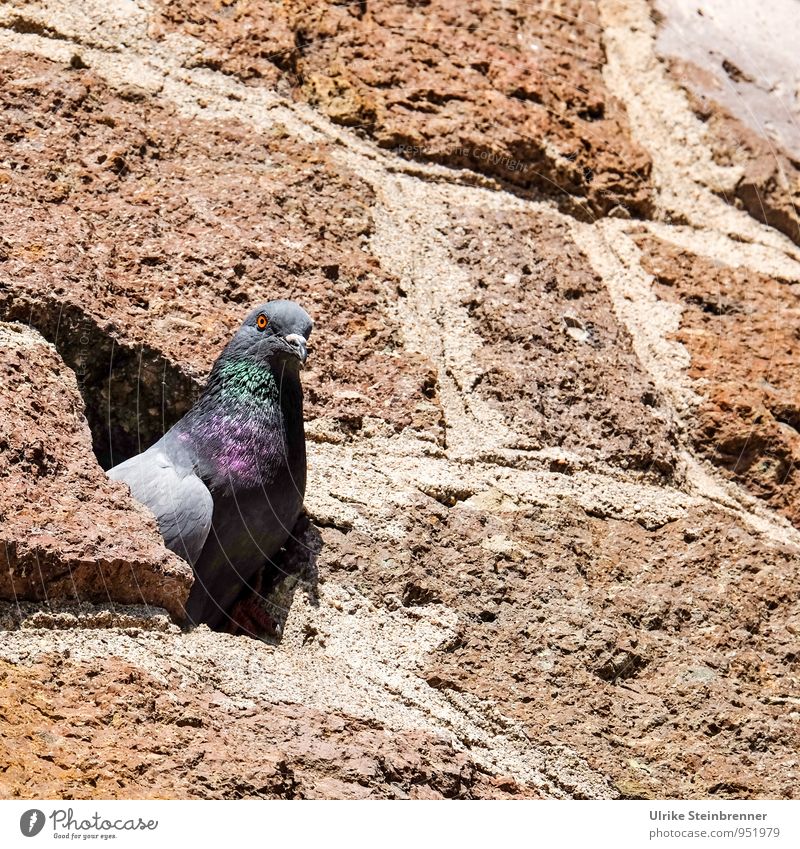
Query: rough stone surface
[[738, 64], [552, 347], [149, 234], [114, 730], [67, 531], [740, 328], [553, 548], [513, 91]]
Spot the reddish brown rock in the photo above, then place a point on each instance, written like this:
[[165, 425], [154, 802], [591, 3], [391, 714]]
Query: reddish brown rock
[[770, 187], [120, 227], [108, 729], [740, 328], [552, 346], [662, 657], [66, 531], [512, 91], [251, 40]]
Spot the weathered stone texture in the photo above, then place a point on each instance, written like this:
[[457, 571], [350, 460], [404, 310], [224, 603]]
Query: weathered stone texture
[[551, 399], [513, 91], [738, 64], [66, 531], [740, 328]]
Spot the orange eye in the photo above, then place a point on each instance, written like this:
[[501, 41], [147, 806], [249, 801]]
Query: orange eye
[[262, 321]]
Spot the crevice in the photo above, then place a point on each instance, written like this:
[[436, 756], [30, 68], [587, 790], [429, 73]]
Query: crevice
[[787, 414], [26, 26], [535, 185], [446, 495], [132, 394]]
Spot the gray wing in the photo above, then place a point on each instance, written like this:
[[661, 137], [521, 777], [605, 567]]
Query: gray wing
[[177, 497]]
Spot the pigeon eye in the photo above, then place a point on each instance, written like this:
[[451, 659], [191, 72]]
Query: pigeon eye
[[262, 321]]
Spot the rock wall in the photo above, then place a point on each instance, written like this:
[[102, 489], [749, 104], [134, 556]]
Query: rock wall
[[552, 256]]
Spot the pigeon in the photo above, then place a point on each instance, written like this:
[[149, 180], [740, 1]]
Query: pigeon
[[227, 482]]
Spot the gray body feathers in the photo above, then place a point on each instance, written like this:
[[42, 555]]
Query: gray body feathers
[[174, 493]]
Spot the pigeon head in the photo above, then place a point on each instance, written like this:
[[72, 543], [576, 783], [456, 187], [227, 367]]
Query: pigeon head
[[275, 332], [262, 363]]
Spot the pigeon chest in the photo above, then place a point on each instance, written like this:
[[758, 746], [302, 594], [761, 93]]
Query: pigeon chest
[[258, 487], [248, 453], [250, 449]]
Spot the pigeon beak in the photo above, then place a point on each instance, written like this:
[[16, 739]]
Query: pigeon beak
[[298, 343]]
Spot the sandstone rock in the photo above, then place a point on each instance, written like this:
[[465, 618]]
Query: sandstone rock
[[68, 532], [529, 286], [741, 331], [114, 730], [582, 629], [126, 258], [514, 92], [552, 456]]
